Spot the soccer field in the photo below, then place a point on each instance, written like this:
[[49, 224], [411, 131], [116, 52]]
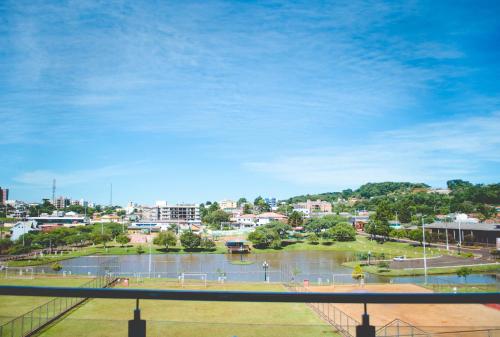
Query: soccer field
[[101, 317]]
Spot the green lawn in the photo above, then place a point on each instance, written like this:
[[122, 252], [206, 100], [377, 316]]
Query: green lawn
[[362, 244], [430, 271], [463, 288], [13, 306], [110, 250], [184, 318]]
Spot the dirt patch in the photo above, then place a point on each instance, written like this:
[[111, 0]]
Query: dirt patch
[[429, 317]]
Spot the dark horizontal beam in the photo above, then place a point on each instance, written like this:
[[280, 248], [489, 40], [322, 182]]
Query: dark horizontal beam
[[246, 296]]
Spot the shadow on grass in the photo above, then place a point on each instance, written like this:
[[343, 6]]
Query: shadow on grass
[[198, 250], [169, 250]]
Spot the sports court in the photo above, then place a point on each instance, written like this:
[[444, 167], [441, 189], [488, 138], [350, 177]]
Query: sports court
[[428, 317]]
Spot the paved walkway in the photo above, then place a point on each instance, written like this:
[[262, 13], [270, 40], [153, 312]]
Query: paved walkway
[[481, 256]]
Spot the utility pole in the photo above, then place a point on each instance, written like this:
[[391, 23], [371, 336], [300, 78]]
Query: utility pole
[[54, 192], [425, 257], [459, 238], [150, 248], [111, 195], [447, 245]]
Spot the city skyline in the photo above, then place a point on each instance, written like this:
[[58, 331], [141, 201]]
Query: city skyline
[[191, 102]]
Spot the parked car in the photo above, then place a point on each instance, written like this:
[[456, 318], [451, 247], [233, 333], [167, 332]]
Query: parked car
[[399, 258]]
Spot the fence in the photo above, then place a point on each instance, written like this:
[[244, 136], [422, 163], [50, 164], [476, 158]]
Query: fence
[[440, 284], [342, 322], [34, 320], [400, 328]]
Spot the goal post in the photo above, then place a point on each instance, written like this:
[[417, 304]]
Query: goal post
[[19, 273], [347, 279], [193, 279]]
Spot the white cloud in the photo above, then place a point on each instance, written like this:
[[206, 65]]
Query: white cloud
[[427, 153]]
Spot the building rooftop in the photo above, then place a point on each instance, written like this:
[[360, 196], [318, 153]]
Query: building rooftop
[[271, 215], [481, 226]]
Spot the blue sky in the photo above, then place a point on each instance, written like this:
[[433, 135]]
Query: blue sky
[[192, 101]]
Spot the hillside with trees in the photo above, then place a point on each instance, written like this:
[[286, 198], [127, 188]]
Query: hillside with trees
[[408, 201]]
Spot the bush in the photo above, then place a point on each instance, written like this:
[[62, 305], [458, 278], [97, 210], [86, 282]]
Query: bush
[[383, 265], [208, 244], [56, 266], [140, 250], [189, 240], [276, 244], [166, 239], [313, 239], [264, 237], [122, 239], [464, 272], [342, 232], [357, 272]]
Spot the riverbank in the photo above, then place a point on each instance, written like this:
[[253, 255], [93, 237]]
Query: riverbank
[[389, 249], [483, 268], [362, 245]]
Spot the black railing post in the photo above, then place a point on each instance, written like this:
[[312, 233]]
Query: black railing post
[[365, 329], [137, 326]]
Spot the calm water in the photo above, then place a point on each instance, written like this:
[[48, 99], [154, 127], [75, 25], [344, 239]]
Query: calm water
[[283, 266]]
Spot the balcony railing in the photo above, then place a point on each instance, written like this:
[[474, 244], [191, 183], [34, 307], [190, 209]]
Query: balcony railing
[[137, 327]]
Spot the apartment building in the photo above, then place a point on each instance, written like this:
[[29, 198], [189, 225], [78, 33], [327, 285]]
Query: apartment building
[[310, 207], [4, 195], [227, 204], [62, 202], [179, 214], [150, 213]]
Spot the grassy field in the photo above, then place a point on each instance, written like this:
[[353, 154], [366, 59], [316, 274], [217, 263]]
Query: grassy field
[[183, 318], [13, 306], [463, 288], [362, 244], [430, 271]]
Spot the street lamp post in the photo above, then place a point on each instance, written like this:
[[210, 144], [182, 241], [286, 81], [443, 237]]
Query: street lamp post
[[447, 244], [150, 247], [241, 253], [459, 238], [425, 257], [265, 266]]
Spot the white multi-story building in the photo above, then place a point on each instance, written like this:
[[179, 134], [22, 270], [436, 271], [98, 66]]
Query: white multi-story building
[[178, 214], [181, 213], [227, 204], [150, 213]]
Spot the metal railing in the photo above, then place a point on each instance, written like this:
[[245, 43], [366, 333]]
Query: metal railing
[[343, 323], [32, 321], [137, 327], [400, 328]]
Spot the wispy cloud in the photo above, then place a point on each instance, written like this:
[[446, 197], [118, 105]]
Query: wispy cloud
[[428, 153], [191, 66]]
